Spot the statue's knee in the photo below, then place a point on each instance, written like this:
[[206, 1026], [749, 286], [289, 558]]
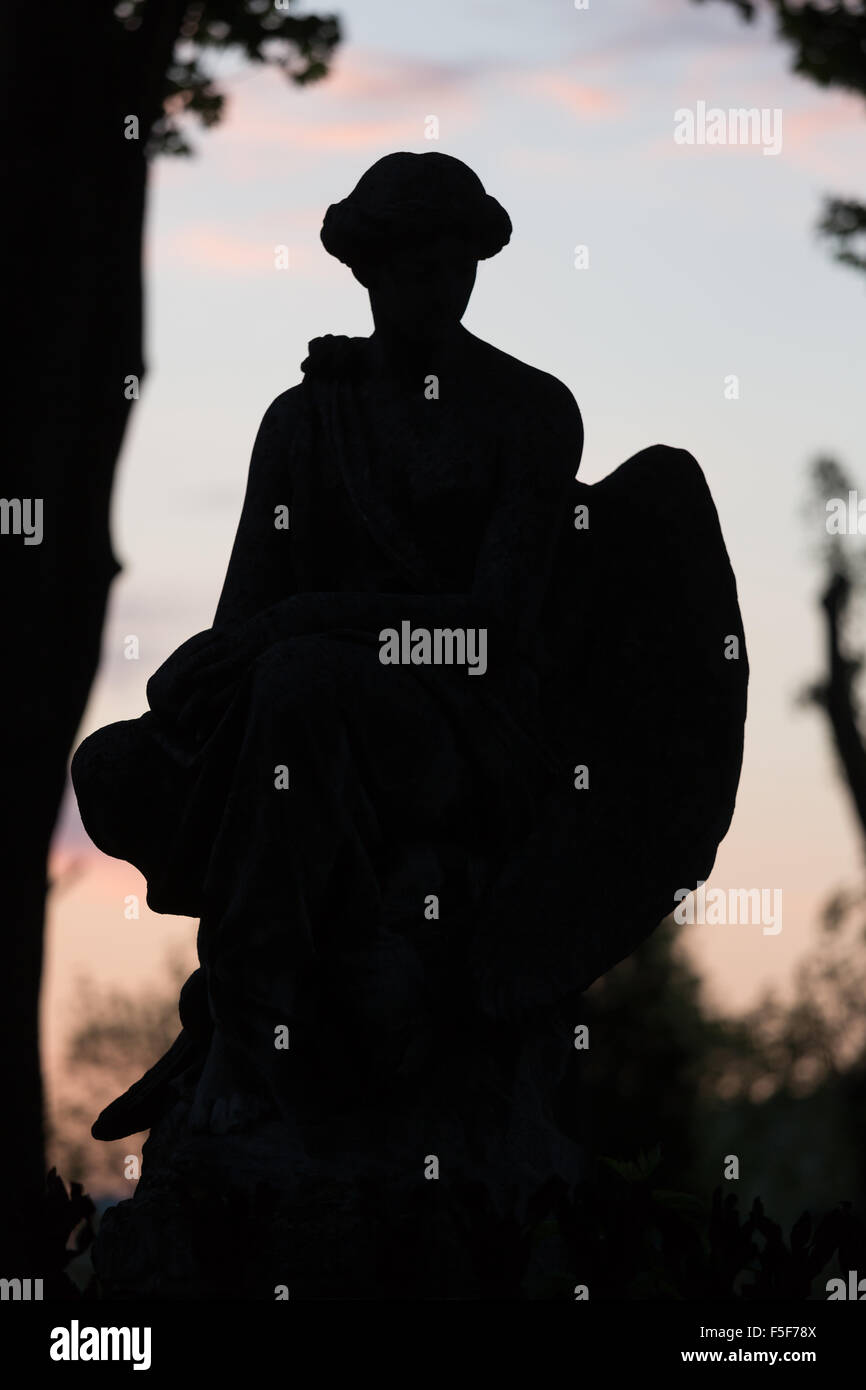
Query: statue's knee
[[274, 682], [678, 465], [682, 467], [291, 679], [663, 479]]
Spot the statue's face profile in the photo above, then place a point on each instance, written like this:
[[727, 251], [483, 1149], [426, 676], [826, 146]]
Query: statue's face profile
[[420, 292]]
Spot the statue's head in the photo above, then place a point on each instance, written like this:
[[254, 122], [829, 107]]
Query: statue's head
[[412, 231]]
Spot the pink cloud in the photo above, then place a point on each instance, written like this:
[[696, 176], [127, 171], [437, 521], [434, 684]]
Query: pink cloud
[[206, 248], [369, 102], [365, 75], [837, 113], [577, 97], [76, 869], [826, 139], [354, 135], [253, 130]]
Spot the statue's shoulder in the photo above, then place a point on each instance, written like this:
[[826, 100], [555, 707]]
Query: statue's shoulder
[[524, 398], [330, 358], [333, 356], [287, 404], [285, 412], [336, 356], [516, 384]]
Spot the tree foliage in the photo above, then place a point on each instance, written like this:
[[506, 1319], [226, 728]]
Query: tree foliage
[[828, 46], [260, 31]]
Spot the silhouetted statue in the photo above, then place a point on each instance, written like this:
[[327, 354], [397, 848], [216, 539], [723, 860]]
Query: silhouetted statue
[[460, 730]]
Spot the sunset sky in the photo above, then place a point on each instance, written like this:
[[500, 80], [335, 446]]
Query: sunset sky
[[702, 263]]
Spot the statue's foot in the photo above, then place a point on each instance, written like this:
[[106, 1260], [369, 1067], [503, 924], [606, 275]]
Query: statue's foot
[[148, 1099]]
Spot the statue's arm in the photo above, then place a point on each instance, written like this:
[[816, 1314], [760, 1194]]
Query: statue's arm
[[259, 571], [539, 460]]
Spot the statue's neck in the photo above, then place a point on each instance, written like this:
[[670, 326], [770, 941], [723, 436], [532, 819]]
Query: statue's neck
[[403, 358]]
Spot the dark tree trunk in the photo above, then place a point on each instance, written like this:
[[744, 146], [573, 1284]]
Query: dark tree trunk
[[74, 333]]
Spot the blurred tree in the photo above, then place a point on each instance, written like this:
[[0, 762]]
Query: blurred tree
[[113, 1035], [90, 92], [794, 1074], [829, 47], [637, 1087], [845, 568]]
